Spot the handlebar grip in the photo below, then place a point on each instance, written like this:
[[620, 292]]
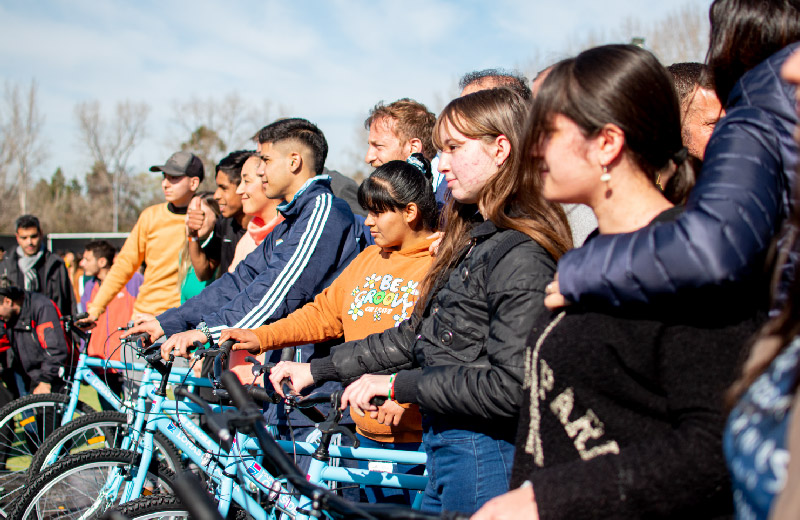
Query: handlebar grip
[[144, 336], [154, 358], [81, 316], [288, 353], [237, 392], [226, 346], [261, 394]]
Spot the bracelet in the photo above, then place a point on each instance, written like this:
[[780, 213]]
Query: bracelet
[[391, 387], [194, 239], [204, 329]]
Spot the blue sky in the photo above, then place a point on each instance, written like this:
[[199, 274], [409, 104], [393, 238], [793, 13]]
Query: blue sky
[[328, 61]]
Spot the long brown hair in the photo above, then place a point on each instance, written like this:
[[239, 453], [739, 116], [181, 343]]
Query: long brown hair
[[512, 198]]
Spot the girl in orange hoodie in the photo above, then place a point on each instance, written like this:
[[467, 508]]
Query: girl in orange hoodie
[[376, 291]]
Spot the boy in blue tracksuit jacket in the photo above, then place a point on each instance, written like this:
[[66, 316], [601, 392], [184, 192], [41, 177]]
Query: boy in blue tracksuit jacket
[[296, 261], [301, 256]]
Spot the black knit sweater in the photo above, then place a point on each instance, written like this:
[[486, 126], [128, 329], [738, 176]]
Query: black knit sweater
[[623, 416]]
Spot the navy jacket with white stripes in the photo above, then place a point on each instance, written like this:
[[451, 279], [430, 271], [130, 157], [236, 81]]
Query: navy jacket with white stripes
[[299, 258]]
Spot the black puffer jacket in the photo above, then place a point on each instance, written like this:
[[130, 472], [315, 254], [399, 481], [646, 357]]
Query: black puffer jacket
[[464, 358]]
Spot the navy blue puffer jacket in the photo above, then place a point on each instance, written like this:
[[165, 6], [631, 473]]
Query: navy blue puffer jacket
[[738, 205]]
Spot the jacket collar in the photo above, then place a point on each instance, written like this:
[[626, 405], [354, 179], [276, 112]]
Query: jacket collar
[[312, 187], [483, 229]]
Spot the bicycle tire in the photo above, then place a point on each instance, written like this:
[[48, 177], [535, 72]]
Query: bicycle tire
[[150, 508], [72, 486], [97, 431], [24, 424]]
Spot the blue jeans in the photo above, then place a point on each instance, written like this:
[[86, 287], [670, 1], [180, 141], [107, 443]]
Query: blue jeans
[[386, 495], [466, 469]]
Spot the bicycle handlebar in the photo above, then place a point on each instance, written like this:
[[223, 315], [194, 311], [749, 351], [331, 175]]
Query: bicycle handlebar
[[276, 459], [70, 325], [143, 336]]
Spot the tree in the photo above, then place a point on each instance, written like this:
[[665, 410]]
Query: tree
[[61, 206], [110, 143], [22, 149], [681, 35], [217, 126]]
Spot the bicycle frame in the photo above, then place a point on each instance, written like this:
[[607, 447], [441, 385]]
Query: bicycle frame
[[150, 377], [167, 416]]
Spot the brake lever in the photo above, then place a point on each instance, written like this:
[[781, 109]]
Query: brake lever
[[259, 368]]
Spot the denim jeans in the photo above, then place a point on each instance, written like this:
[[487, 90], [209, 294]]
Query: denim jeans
[[387, 495], [466, 469]]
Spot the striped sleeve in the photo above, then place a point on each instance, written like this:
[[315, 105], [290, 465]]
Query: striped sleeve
[[297, 263]]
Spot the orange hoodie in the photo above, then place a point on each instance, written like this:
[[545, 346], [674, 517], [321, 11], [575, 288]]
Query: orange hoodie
[[376, 291]]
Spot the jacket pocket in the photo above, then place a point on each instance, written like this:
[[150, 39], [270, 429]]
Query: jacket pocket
[[460, 344]]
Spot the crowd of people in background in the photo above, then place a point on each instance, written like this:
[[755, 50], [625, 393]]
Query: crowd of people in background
[[579, 293]]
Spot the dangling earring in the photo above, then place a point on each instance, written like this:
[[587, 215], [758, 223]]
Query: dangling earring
[[658, 182], [606, 176]]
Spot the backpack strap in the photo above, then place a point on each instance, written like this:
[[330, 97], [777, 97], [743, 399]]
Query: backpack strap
[[508, 242]]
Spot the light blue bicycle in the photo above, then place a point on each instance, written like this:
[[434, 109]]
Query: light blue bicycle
[[91, 482]]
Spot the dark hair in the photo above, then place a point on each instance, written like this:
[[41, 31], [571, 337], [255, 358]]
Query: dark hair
[[512, 198], [396, 184], [302, 131], [231, 165], [688, 75], [28, 221], [412, 120], [743, 34], [509, 79], [10, 291], [102, 249], [619, 84]]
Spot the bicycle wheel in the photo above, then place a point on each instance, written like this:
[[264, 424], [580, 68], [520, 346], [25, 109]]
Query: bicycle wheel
[[24, 424], [96, 431], [151, 508], [73, 486]]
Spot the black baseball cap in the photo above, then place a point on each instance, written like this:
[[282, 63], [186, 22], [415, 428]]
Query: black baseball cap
[[180, 164]]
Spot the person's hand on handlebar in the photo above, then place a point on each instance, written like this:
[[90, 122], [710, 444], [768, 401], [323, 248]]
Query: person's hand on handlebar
[[87, 323], [298, 374], [358, 394], [246, 340], [152, 327], [180, 344], [518, 503]]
